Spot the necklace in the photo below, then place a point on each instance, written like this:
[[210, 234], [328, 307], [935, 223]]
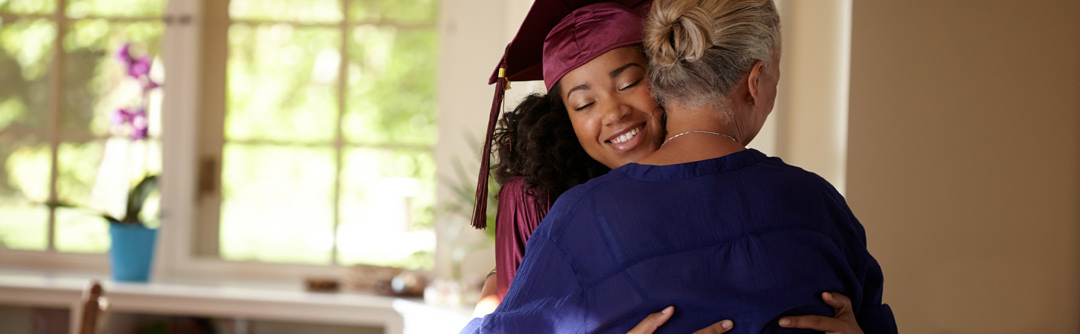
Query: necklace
[[699, 131]]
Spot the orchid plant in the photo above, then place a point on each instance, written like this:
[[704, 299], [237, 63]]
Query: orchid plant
[[133, 120]]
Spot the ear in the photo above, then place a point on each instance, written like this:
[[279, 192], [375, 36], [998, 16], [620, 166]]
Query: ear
[[754, 82]]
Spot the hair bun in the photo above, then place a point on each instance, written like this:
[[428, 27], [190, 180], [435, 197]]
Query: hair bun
[[677, 31]]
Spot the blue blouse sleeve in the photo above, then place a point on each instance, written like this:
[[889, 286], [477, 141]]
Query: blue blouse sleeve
[[545, 297], [872, 315]]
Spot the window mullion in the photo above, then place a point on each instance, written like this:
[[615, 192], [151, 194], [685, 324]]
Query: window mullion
[[339, 136], [56, 89]]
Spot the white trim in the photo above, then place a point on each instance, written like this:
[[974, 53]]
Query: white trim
[[180, 50], [97, 263], [234, 299]]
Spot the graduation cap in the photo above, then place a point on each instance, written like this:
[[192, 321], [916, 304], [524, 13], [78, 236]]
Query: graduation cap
[[556, 37]]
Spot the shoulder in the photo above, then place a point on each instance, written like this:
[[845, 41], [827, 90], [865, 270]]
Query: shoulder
[[514, 192], [577, 204], [773, 171], [518, 207]]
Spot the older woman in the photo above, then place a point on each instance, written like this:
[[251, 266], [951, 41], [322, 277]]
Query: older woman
[[703, 224]]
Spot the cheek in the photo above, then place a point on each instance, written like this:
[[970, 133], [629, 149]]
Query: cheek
[[584, 129]]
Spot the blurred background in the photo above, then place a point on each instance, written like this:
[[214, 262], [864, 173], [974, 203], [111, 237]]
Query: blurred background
[[299, 138]]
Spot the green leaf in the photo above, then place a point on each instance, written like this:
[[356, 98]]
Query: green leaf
[[137, 197]]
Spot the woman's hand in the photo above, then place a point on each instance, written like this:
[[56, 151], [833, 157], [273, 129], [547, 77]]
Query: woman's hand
[[653, 321], [843, 321]]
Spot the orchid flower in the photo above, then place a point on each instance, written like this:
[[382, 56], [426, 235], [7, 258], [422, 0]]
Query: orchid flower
[[137, 68]]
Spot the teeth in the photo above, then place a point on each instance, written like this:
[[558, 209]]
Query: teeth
[[625, 137]]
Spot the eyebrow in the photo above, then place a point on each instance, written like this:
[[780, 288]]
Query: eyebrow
[[613, 73], [619, 70], [578, 87]]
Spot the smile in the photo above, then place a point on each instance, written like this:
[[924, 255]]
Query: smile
[[626, 136]]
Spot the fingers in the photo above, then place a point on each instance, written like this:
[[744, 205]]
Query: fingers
[[837, 300], [717, 328], [815, 322], [653, 321]]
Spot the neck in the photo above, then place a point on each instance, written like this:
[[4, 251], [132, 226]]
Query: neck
[[697, 129], [705, 118]]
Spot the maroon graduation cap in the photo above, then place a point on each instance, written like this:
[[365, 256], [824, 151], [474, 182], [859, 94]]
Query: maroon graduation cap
[[556, 37]]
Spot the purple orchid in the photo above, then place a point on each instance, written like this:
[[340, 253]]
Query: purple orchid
[[139, 125], [120, 117], [134, 118], [139, 69], [124, 55]]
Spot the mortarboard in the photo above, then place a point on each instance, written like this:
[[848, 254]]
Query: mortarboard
[[556, 37]]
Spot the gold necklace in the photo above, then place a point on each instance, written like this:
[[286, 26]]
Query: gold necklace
[[699, 131]]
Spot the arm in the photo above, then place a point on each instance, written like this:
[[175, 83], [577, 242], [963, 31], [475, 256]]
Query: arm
[[546, 297], [489, 297], [870, 312]]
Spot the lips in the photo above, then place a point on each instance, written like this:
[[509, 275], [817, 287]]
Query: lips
[[625, 136], [626, 140]]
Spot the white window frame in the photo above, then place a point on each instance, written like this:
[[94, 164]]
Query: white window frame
[[179, 240], [51, 258], [175, 249]]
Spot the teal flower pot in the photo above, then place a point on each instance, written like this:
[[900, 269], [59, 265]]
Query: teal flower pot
[[132, 252]]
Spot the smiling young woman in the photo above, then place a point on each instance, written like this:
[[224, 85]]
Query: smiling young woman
[[614, 115]]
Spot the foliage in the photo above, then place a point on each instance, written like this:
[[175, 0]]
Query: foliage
[[463, 188], [136, 199]]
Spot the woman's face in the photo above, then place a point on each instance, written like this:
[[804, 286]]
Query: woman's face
[[614, 115]]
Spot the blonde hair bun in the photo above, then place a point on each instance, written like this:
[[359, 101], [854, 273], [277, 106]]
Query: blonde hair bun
[[698, 49], [679, 32]]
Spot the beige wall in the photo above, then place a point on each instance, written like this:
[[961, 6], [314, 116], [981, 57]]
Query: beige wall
[[808, 125], [963, 160], [474, 34]]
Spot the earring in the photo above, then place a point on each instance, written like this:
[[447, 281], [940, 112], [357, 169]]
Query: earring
[[751, 101]]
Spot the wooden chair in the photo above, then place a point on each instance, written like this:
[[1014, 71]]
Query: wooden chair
[[93, 308]]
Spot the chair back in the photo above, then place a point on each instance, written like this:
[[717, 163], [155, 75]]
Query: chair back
[[93, 306]]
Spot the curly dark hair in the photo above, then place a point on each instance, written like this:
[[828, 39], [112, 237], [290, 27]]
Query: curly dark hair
[[536, 142]]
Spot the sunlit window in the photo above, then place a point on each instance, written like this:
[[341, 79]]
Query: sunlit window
[[61, 162], [327, 127]]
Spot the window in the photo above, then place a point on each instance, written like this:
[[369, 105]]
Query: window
[[61, 162], [316, 129]]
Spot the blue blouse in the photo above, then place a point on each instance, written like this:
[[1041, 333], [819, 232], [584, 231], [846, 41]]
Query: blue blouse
[[743, 237]]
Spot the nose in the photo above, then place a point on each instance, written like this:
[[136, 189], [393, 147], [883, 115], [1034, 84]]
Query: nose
[[616, 112]]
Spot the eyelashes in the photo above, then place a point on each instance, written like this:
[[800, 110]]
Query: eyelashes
[[630, 85], [624, 87], [582, 107]]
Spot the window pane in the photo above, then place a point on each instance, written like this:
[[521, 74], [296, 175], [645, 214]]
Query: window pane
[[286, 10], [277, 204], [28, 6], [386, 203], [282, 83], [81, 231], [78, 164], [24, 226], [404, 11], [24, 188], [26, 48], [391, 95], [96, 83], [118, 8]]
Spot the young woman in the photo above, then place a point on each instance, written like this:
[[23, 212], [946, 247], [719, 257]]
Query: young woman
[[565, 261]]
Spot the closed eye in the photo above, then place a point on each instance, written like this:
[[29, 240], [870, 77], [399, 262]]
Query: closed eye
[[630, 85], [582, 107]]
